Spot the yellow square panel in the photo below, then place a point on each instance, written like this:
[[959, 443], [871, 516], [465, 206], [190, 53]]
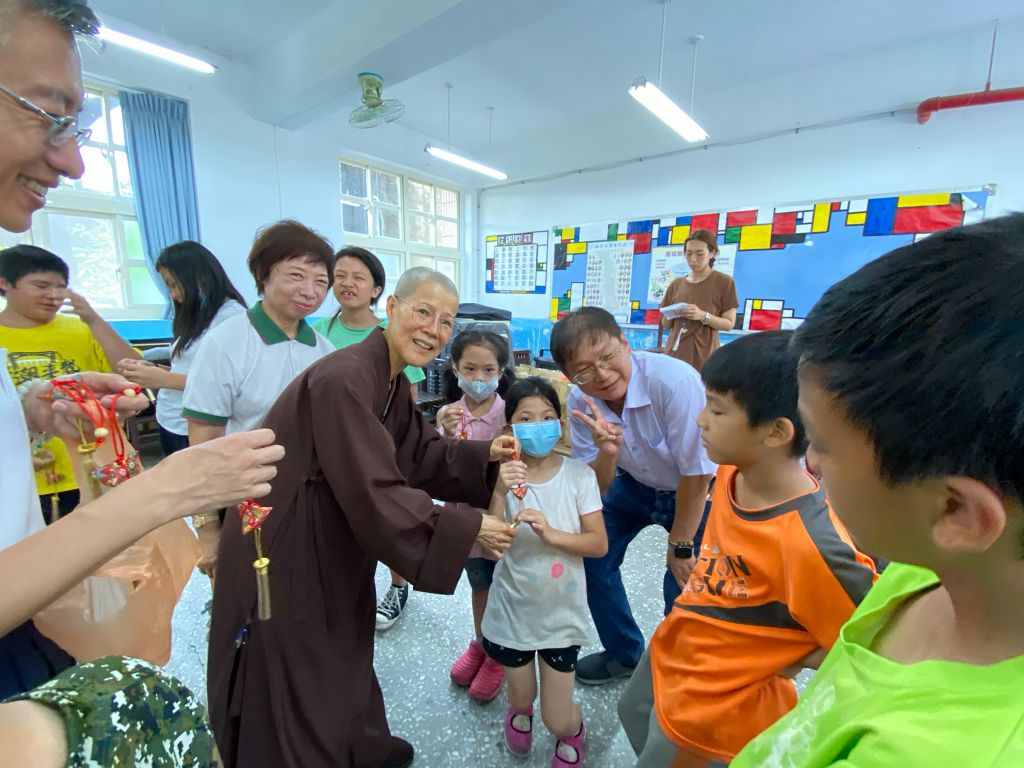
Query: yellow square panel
[[822, 212], [492, 238], [634, 305], [917, 201], [679, 234], [621, 237], [569, 233], [755, 237], [856, 218], [554, 309], [576, 248], [757, 303]]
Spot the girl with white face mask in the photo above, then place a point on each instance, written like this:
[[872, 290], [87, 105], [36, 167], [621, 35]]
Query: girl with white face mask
[[476, 376]]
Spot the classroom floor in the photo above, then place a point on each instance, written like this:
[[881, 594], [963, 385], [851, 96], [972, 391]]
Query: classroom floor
[[412, 662]]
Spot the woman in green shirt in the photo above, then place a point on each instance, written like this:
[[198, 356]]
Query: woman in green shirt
[[358, 283]]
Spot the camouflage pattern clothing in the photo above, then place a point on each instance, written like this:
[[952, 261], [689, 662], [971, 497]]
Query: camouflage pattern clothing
[[122, 713]]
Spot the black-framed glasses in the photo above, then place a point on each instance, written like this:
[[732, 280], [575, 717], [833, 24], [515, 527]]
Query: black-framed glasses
[[588, 374], [63, 128], [426, 316]]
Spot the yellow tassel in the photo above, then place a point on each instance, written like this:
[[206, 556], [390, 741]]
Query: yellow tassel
[[262, 566], [263, 608]]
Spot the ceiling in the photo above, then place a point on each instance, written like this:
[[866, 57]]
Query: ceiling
[[556, 73]]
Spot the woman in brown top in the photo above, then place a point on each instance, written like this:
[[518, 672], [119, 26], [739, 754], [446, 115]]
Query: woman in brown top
[[710, 299]]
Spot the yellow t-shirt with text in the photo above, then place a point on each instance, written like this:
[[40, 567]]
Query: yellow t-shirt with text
[[63, 346]]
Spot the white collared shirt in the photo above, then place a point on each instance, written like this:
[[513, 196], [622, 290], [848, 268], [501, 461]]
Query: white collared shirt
[[243, 365], [661, 439]]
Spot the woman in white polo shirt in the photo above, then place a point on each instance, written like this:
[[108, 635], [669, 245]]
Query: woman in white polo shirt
[[244, 363]]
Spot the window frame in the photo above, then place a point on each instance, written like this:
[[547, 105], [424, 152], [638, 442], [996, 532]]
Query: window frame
[[406, 249]]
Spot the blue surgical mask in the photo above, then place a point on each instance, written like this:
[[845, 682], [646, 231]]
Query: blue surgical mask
[[538, 438], [478, 390]]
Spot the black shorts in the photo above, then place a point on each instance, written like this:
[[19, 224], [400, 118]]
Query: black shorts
[[559, 659], [480, 572]]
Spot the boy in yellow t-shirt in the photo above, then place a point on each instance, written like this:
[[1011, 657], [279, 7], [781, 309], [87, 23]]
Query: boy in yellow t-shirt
[[41, 343]]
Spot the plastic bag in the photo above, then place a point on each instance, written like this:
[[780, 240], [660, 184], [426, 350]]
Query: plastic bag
[[125, 607]]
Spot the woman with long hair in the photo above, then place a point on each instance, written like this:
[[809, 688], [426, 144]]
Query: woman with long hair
[[203, 298]]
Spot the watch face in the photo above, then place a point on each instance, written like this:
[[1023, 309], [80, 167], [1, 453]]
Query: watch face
[[683, 553]]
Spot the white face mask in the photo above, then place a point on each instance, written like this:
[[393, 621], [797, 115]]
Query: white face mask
[[477, 390]]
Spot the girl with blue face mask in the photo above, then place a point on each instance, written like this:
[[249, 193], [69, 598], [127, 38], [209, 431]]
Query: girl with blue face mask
[[474, 380], [538, 600]]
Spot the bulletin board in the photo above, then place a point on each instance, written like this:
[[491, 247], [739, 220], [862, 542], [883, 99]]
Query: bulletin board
[[782, 258], [517, 263]]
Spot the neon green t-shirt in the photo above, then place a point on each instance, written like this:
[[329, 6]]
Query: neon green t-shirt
[[342, 336], [862, 710]]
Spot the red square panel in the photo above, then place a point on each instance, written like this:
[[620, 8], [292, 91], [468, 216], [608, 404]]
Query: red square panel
[[784, 223], [740, 218], [705, 221], [928, 218], [641, 242], [765, 319], [835, 206], [652, 317]]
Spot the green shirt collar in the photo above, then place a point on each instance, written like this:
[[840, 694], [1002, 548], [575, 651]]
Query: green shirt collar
[[271, 333]]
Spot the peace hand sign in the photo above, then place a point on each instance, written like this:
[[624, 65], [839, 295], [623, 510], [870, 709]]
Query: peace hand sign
[[607, 436]]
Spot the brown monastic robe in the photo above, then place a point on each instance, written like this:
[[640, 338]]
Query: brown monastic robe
[[355, 487]]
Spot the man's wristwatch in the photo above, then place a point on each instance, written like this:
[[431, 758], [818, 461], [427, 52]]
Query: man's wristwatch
[[707, 316], [683, 550], [198, 521]]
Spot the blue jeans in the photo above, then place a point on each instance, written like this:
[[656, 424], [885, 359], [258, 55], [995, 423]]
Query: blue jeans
[[629, 507]]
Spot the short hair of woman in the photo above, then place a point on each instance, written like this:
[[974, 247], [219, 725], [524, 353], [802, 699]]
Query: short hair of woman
[[285, 240]]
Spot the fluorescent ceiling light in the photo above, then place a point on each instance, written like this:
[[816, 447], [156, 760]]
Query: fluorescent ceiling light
[[451, 157], [666, 110], [159, 51]]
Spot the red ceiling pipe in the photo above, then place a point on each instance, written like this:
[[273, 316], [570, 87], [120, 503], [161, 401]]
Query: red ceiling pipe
[[928, 107]]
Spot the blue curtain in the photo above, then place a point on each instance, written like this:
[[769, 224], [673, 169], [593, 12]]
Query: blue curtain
[[158, 138]]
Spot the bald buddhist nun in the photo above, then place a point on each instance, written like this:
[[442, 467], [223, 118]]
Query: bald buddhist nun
[[298, 690]]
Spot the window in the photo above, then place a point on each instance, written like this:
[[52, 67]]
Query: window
[[406, 222], [91, 222]]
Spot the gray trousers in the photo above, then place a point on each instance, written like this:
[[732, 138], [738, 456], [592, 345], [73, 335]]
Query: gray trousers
[[636, 712]]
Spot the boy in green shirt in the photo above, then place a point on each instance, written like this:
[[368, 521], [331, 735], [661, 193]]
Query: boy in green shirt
[[912, 393]]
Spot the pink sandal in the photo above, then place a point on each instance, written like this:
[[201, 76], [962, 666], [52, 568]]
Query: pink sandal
[[569, 752], [519, 734]]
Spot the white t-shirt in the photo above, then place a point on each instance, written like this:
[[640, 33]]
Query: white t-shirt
[[168, 401], [243, 365], [538, 599], [20, 515]]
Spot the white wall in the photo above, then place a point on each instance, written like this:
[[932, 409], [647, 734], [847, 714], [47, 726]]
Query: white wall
[[956, 149]]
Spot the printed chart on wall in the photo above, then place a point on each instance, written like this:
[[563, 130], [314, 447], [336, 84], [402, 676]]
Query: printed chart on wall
[[517, 263], [783, 258]]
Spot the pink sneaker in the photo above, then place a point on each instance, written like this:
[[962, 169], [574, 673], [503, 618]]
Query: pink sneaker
[[519, 731], [569, 752], [488, 681], [468, 664]]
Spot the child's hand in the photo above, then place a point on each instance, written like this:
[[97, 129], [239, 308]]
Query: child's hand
[[510, 474], [451, 419], [536, 520], [607, 436]]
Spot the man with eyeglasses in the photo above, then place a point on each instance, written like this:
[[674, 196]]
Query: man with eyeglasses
[[40, 97], [634, 423]]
